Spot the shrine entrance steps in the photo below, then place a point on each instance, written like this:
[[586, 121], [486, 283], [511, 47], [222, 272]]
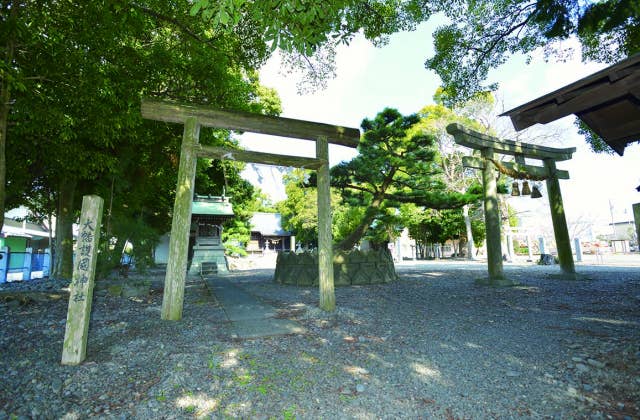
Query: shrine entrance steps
[[249, 317]]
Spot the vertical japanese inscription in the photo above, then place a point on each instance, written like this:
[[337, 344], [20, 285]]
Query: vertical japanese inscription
[[81, 288]]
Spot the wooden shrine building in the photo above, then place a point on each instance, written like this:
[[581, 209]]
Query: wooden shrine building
[[267, 234]]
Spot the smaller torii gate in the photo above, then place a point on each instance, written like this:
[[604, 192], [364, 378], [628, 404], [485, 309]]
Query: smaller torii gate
[[489, 147], [192, 117]]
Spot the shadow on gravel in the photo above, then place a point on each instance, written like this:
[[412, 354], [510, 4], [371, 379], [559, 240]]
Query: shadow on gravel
[[431, 345]]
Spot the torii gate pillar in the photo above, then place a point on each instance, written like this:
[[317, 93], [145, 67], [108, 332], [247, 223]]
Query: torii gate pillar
[[492, 220], [559, 220], [325, 245], [173, 297]]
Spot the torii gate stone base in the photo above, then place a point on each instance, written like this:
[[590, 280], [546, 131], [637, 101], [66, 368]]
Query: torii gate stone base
[[489, 147], [193, 117]]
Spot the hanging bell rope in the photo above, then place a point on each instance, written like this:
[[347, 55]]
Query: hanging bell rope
[[515, 174]]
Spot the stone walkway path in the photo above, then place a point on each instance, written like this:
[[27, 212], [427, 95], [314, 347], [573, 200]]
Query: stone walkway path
[[249, 317]]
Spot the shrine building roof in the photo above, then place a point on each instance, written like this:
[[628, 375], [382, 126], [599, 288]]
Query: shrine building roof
[[607, 101], [211, 205]]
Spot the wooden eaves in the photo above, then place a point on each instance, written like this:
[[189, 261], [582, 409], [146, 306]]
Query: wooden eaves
[[607, 101]]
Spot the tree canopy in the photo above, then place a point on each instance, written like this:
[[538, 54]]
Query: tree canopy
[[480, 35], [407, 167], [396, 164], [73, 119], [305, 25], [300, 212], [483, 34]]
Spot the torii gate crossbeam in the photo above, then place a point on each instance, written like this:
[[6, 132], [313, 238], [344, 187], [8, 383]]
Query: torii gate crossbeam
[[193, 117]]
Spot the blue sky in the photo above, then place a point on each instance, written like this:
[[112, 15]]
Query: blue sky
[[370, 79]]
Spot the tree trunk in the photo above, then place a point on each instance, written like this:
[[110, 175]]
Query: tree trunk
[[5, 105], [467, 223], [354, 237], [63, 267]]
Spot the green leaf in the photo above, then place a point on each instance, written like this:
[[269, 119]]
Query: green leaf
[[208, 13], [195, 8], [274, 44], [223, 17]]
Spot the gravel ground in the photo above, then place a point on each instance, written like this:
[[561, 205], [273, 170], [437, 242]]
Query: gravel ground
[[431, 345]]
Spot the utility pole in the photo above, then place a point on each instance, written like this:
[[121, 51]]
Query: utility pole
[[613, 226]]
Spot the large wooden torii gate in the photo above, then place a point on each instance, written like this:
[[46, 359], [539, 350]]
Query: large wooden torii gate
[[193, 117], [489, 147]]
